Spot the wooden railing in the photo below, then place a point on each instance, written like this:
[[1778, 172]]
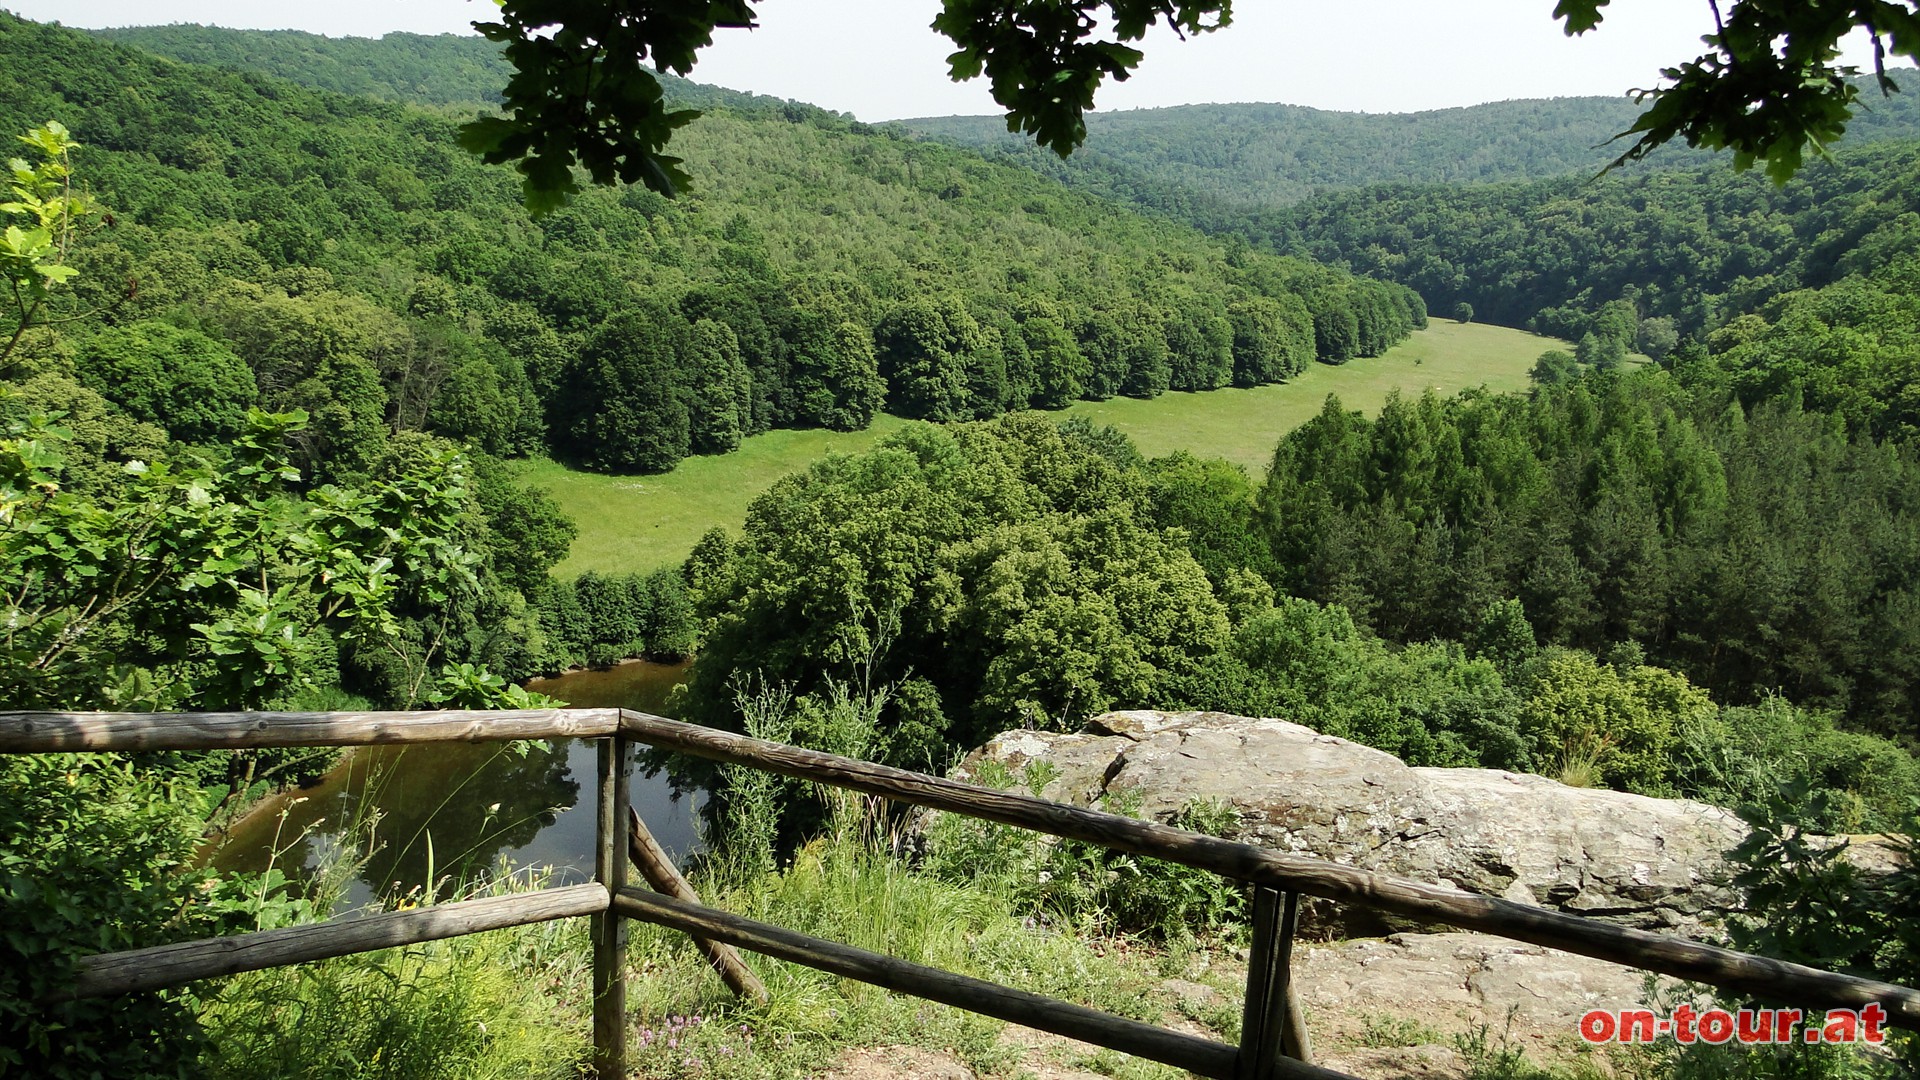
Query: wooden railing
[[1274, 1039]]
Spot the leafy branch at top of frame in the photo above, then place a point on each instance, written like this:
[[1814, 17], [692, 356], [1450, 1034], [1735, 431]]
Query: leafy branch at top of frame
[[1770, 89]]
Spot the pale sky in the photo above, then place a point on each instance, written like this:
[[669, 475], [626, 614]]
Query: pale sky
[[878, 60]]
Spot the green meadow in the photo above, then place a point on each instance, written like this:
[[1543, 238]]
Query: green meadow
[[639, 523], [1243, 426]]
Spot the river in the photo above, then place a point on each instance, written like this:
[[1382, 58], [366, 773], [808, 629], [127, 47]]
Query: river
[[439, 809]]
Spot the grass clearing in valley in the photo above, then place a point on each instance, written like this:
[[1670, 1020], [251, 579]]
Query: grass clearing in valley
[[1243, 426], [641, 523]]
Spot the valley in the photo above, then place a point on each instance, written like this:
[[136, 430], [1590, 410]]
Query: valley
[[1273, 450]]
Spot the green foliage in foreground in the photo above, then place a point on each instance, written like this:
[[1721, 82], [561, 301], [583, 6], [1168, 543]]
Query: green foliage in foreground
[[97, 855], [43, 216], [1808, 903], [189, 580], [204, 580]]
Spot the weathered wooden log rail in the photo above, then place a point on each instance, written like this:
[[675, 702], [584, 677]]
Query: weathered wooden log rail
[[1274, 1042]]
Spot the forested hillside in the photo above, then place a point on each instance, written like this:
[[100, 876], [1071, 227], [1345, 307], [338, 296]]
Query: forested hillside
[[417, 69], [1700, 245], [848, 271], [425, 69], [281, 248], [268, 345], [1208, 162]]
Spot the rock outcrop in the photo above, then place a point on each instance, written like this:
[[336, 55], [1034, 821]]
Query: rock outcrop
[[1638, 861]]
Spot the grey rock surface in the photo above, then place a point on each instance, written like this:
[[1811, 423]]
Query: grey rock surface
[[1630, 859], [1471, 976]]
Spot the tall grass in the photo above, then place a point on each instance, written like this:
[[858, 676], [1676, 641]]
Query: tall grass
[[514, 1003], [504, 1004], [847, 888]]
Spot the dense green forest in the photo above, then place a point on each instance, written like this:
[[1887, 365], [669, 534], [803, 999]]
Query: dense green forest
[[1529, 553], [438, 69], [415, 69], [1700, 245], [290, 249], [1757, 550], [1202, 159], [974, 288]]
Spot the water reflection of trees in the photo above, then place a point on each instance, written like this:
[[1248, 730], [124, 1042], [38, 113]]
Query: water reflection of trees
[[445, 810], [452, 814], [436, 803]]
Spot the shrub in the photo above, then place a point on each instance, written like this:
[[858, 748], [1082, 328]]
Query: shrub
[[1807, 903], [1752, 756], [94, 858], [1618, 722]]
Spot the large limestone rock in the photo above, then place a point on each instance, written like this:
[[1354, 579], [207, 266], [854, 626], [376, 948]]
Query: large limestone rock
[[1652, 863]]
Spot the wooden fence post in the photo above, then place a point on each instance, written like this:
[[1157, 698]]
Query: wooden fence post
[[665, 878], [1271, 1025], [1293, 1032], [609, 928]]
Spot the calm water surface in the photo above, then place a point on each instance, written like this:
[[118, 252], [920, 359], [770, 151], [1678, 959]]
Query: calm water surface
[[452, 808]]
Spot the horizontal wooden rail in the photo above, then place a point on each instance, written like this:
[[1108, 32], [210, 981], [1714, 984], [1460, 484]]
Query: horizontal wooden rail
[[1190, 1052], [1739, 972], [43, 732], [171, 965]]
